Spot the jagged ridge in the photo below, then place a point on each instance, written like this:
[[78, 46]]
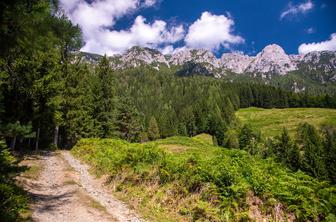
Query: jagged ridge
[[272, 60]]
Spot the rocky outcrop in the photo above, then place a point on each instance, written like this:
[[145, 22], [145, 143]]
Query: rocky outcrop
[[235, 62]]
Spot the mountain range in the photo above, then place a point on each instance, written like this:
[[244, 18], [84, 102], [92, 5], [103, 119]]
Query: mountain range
[[271, 62]]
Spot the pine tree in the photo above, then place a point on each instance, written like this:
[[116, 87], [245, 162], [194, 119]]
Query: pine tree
[[15, 130], [283, 144], [153, 129], [330, 150], [293, 157], [128, 120], [313, 152], [103, 90], [286, 151], [231, 139], [79, 106], [217, 125], [182, 129], [245, 136]]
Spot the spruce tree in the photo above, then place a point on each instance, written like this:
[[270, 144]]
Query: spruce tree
[[283, 144], [182, 129], [153, 129], [128, 124], [104, 93], [330, 150], [231, 139], [293, 157], [313, 152], [245, 136]]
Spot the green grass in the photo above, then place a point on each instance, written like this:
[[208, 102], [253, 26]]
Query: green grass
[[33, 172], [270, 122], [188, 179]]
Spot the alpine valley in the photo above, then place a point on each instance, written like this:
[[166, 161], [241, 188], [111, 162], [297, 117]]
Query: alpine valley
[[146, 136]]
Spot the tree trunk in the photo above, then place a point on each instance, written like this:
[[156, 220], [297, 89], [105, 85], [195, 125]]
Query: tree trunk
[[13, 143], [37, 138], [56, 133], [21, 146]]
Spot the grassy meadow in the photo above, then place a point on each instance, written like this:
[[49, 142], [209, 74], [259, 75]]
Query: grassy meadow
[[189, 179], [270, 122]]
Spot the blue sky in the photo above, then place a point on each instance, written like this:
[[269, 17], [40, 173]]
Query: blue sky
[[113, 26]]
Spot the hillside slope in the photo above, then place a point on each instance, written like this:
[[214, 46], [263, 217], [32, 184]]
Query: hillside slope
[[188, 179], [270, 122]]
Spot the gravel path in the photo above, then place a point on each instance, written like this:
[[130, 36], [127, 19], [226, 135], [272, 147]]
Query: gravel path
[[65, 191], [97, 191]]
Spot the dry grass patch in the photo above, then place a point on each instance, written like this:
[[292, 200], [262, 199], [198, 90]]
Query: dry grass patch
[[34, 167], [174, 148], [33, 172], [70, 183]]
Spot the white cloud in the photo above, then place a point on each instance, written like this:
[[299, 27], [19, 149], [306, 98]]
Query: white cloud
[[293, 10], [310, 30], [319, 46], [149, 3], [140, 34], [98, 13], [97, 19], [169, 49], [211, 32]]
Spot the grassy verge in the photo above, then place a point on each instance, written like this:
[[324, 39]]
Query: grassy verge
[[188, 179], [271, 121]]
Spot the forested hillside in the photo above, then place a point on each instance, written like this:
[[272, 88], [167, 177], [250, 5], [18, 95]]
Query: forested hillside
[[50, 97]]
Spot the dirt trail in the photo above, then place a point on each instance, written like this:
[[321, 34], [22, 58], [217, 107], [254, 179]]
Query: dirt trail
[[65, 191]]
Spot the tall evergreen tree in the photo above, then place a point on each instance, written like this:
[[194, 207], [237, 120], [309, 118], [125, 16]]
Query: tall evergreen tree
[[245, 136], [313, 152], [105, 98], [286, 151], [128, 120], [330, 151], [153, 129]]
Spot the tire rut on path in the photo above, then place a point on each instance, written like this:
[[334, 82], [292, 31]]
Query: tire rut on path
[[98, 192]]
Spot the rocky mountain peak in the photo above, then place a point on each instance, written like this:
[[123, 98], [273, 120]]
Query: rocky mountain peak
[[137, 56], [272, 59], [273, 49]]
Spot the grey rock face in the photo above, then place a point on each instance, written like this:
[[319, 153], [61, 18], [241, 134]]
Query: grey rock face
[[235, 62]]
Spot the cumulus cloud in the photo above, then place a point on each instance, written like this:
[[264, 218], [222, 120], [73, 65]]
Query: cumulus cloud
[[211, 32], [293, 10], [91, 16], [97, 19], [140, 34], [319, 46]]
